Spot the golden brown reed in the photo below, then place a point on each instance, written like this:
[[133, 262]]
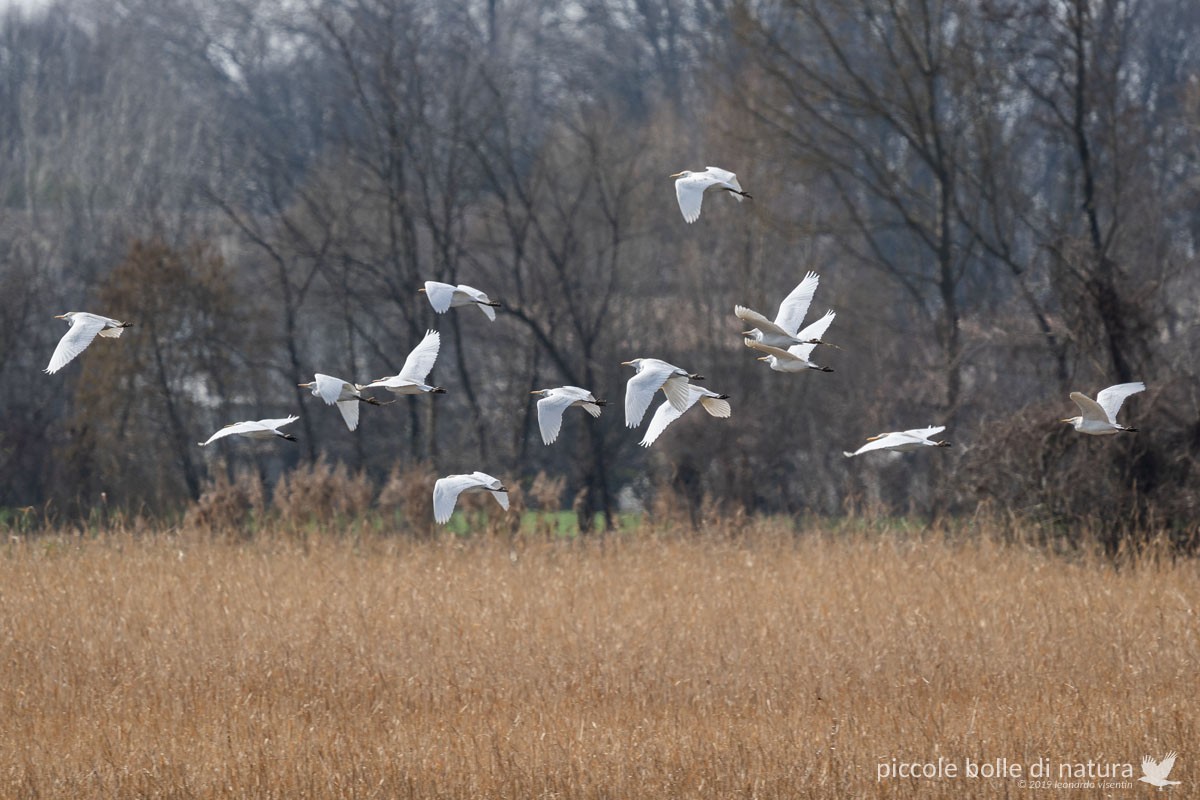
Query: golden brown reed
[[773, 665]]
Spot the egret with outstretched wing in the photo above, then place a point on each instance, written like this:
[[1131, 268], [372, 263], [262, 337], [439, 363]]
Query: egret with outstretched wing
[[691, 186], [652, 375], [1099, 417], [783, 331], [913, 439], [255, 429], [84, 329], [345, 394], [447, 490], [444, 296], [555, 401], [412, 376]]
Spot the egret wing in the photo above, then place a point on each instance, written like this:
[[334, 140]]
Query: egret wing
[[813, 331], [795, 305], [663, 417], [1110, 399], [586, 399], [330, 388], [639, 391], [925, 433], [501, 498], [1089, 408], [445, 494], [724, 176], [677, 390], [232, 429], [689, 192], [420, 361], [83, 330], [274, 424], [756, 319], [785, 355], [480, 299], [550, 411], [440, 295], [716, 406], [883, 443], [349, 409], [485, 481]]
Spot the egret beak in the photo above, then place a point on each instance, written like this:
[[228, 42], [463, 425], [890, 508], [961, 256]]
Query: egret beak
[[747, 333], [626, 363], [1068, 421], [421, 290], [876, 436], [539, 391], [677, 175], [763, 358], [60, 316], [304, 385]]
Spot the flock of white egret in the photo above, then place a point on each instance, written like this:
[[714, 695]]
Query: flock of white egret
[[787, 348]]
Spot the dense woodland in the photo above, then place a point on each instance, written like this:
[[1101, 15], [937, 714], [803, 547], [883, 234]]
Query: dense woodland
[[1000, 197]]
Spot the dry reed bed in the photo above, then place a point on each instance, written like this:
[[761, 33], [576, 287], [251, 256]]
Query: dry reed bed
[[656, 667]]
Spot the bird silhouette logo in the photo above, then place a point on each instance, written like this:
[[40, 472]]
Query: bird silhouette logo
[[1155, 772]]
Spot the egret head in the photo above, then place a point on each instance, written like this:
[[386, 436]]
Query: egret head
[[764, 358], [1073, 421], [635, 363], [542, 392], [67, 315]]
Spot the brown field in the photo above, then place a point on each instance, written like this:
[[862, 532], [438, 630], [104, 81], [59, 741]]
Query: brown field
[[771, 665]]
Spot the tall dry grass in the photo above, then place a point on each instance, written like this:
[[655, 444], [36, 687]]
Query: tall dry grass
[[773, 665]]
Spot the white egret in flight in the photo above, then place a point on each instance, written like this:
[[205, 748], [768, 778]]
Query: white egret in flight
[[903, 441], [84, 328], [716, 405], [652, 375], [443, 297], [555, 401], [345, 394], [691, 186], [1099, 416], [798, 357], [413, 374], [447, 490], [784, 331], [256, 429]]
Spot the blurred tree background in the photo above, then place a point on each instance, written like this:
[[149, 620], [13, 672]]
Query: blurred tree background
[[1000, 198]]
